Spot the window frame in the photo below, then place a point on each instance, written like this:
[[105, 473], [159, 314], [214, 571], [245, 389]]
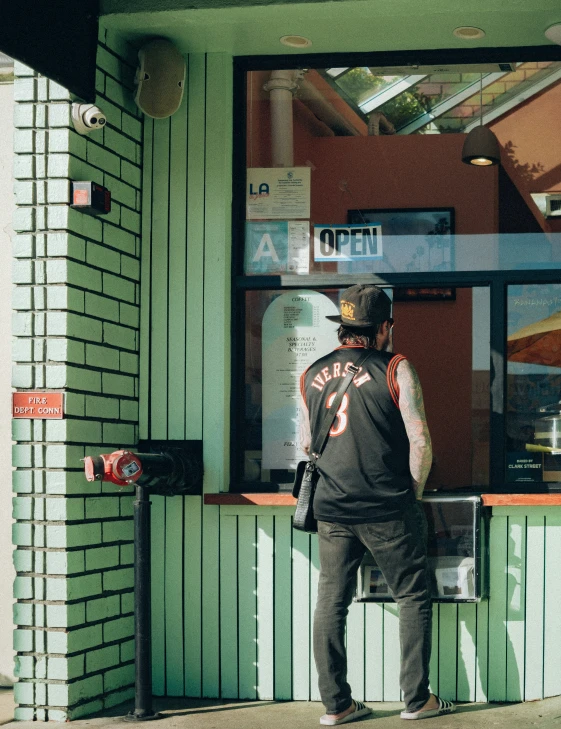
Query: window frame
[[497, 281]]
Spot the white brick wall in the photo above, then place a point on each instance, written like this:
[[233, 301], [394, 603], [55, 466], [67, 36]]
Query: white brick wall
[[6, 211]]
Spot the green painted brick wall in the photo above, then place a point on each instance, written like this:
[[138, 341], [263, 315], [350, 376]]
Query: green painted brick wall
[[76, 324]]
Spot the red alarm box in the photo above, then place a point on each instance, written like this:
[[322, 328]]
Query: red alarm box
[[90, 198]]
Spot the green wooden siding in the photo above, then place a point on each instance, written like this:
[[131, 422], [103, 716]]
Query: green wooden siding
[[506, 649], [234, 588]]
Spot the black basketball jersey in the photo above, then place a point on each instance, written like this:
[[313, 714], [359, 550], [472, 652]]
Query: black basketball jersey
[[364, 468]]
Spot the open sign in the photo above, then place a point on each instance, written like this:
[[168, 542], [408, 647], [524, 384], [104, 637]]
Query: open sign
[[355, 242]]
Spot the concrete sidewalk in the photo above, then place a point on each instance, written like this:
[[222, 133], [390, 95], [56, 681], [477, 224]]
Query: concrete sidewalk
[[6, 705], [207, 714]]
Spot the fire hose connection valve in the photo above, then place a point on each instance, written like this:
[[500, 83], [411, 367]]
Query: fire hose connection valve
[[166, 468], [121, 468], [172, 468]]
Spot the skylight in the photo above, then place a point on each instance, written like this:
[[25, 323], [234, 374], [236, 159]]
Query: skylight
[[440, 100]]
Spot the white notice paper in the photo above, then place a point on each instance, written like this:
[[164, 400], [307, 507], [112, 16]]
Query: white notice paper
[[298, 246], [277, 193]]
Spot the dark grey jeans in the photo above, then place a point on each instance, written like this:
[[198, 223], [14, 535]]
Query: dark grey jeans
[[399, 548]]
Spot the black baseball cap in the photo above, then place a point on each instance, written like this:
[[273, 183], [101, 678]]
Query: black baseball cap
[[363, 305]]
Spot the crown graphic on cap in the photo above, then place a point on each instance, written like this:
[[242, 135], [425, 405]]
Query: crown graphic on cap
[[348, 310], [363, 305]]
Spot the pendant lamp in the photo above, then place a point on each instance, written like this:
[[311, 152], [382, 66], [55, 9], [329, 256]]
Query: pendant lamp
[[481, 147]]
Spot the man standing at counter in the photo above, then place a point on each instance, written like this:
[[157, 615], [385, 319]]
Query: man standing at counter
[[372, 474]]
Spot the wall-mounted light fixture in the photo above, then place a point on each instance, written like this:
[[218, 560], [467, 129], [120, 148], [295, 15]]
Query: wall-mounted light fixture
[[481, 147]]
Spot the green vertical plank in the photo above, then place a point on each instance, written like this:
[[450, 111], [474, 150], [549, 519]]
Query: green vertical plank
[[192, 588], [157, 529], [301, 638], [498, 542], [552, 623], [534, 617], [265, 608], [159, 282], [391, 653], [177, 272], [373, 651], [283, 608], [174, 596], [216, 348], [229, 606], [482, 646], [195, 245], [467, 653], [314, 580], [210, 605], [355, 649], [433, 666], [516, 597], [448, 650], [217, 268], [146, 262], [247, 607]]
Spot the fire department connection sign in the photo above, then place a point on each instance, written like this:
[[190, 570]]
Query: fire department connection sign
[[355, 242], [38, 405]]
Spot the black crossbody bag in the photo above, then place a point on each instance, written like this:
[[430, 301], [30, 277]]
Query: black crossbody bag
[[307, 474]]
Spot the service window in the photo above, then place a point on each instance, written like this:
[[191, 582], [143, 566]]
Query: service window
[[354, 174], [446, 338]]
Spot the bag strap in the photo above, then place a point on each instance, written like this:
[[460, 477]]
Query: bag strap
[[327, 422]]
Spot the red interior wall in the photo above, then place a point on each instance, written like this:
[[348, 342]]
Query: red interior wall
[[530, 133], [436, 337], [412, 171]]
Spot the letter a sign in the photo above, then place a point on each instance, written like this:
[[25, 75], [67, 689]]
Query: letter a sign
[[266, 247]]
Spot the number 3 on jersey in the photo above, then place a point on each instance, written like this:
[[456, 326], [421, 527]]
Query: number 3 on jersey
[[340, 423]]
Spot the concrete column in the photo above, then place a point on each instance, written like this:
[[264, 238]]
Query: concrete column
[[281, 86]]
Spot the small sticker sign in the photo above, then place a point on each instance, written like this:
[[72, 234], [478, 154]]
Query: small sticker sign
[[281, 246], [38, 405], [523, 466], [355, 242]]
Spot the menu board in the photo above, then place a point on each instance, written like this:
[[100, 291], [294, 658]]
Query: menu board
[[295, 334]]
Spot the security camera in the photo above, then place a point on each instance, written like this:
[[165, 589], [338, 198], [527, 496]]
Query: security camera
[[87, 118]]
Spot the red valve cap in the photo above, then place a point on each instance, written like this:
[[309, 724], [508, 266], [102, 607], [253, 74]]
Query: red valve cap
[[127, 467]]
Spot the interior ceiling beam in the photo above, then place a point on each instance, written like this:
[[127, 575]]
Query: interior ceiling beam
[[450, 103], [512, 101]]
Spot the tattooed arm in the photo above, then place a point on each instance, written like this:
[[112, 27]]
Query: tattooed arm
[[413, 413], [305, 434]]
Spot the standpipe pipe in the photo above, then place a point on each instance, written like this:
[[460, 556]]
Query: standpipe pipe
[[143, 710], [281, 86], [124, 468], [177, 470]]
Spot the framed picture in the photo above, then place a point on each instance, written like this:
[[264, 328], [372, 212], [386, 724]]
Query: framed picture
[[414, 239]]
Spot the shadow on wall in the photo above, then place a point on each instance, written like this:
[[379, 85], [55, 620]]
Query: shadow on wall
[[528, 171]]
